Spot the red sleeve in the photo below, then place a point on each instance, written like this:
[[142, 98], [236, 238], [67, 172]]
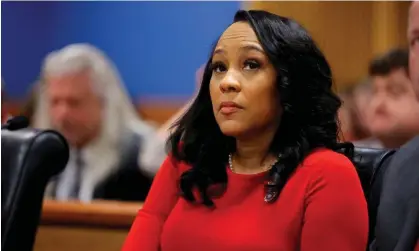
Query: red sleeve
[[336, 215], [146, 229]]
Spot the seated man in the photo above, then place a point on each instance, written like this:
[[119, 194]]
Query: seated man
[[393, 111], [114, 154], [353, 116]]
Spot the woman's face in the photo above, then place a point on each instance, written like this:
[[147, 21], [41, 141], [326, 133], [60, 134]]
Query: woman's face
[[243, 88]]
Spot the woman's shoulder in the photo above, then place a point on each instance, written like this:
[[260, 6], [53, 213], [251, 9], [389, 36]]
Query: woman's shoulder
[[175, 165], [327, 170], [327, 161]]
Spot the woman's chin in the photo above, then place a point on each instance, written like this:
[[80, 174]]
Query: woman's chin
[[231, 129]]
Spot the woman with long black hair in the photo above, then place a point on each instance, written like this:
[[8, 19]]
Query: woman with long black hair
[[254, 162]]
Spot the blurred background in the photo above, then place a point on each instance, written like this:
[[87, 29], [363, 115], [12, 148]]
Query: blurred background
[[146, 39], [156, 46], [157, 50]]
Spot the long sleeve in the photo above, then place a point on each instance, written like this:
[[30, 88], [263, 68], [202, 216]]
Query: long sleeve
[[146, 229], [336, 215]]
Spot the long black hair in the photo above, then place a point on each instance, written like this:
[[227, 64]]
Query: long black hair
[[309, 118]]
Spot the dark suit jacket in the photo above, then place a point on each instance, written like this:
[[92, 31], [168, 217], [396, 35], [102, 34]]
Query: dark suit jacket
[[397, 226], [128, 182]]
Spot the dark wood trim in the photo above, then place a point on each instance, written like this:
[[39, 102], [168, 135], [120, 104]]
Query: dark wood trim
[[103, 214], [157, 111]]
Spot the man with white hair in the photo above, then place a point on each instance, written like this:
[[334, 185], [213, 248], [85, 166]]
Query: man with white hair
[[114, 154], [397, 226]]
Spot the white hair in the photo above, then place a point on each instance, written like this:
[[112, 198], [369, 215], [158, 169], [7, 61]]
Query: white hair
[[105, 78], [77, 58], [119, 114]]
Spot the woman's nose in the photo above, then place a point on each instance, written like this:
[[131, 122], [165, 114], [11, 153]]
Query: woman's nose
[[230, 83]]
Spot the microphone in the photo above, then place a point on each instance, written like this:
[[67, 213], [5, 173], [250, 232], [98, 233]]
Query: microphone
[[15, 123]]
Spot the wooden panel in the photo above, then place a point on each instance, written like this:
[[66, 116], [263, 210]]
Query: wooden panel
[[74, 226], [158, 112], [112, 214], [155, 111], [66, 238], [389, 26], [349, 33]]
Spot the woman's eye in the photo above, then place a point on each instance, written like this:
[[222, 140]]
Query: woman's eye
[[218, 67], [251, 65]]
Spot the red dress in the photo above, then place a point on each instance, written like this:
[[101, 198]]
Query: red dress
[[321, 208]]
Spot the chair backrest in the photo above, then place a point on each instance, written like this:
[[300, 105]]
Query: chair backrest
[[371, 165], [29, 159], [368, 162]]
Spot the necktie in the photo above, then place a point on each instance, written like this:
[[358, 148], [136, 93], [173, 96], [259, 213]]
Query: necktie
[[79, 164]]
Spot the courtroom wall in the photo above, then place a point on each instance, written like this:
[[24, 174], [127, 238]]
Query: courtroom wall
[[350, 33], [157, 46]]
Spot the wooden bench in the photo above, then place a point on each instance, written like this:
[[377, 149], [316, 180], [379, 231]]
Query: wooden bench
[[100, 225]]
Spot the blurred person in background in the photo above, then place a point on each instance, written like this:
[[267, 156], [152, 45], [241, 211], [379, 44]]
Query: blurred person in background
[[361, 96], [393, 112], [397, 220], [353, 116], [114, 153], [361, 99]]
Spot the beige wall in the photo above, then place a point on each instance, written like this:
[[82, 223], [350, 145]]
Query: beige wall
[[349, 33]]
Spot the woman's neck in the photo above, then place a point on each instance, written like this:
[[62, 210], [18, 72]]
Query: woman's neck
[[252, 155]]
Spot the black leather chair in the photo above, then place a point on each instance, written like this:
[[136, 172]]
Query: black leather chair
[[371, 165], [29, 158]]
